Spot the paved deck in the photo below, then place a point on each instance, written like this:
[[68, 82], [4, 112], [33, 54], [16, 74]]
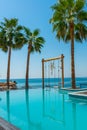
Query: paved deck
[[73, 90], [80, 94], [4, 125]]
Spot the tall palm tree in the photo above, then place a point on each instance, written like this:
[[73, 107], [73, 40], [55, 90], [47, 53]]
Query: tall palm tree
[[35, 43], [68, 22], [11, 37]]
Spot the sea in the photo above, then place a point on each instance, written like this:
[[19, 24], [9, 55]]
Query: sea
[[37, 82]]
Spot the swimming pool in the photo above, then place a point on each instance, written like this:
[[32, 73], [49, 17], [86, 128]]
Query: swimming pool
[[43, 110]]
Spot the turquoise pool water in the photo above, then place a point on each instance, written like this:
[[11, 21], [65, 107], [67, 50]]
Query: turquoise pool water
[[43, 110]]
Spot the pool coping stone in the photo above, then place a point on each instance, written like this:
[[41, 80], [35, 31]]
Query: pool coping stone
[[5, 125]]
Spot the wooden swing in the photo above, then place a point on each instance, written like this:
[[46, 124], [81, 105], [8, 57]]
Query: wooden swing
[[51, 67]]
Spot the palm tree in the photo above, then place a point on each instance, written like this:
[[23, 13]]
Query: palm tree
[[35, 43], [68, 22], [11, 37]]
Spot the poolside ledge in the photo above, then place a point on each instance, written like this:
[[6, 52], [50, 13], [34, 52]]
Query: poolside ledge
[[80, 94], [4, 125], [73, 90]]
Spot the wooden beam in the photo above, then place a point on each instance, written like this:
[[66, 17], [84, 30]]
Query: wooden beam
[[55, 58]]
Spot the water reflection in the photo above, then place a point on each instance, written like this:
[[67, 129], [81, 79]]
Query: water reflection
[[27, 107], [56, 102], [54, 111], [74, 115], [52, 108], [31, 125], [8, 105]]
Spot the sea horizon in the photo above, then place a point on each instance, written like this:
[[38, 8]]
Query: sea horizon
[[41, 77], [37, 82]]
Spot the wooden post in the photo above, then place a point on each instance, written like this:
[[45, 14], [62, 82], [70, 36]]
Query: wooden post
[[62, 67], [43, 73]]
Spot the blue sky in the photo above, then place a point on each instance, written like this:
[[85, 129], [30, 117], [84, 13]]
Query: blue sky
[[36, 14]]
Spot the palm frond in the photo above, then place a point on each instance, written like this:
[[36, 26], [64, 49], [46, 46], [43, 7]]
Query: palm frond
[[32, 50], [82, 16], [81, 29], [78, 38], [67, 36], [37, 47], [36, 32], [40, 40], [19, 28], [10, 22], [27, 31], [79, 5]]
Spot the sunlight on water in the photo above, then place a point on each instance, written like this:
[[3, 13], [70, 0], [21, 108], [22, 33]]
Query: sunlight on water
[[43, 110]]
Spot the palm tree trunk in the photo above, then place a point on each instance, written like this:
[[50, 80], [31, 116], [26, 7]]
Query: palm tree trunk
[[8, 67], [27, 66], [72, 55]]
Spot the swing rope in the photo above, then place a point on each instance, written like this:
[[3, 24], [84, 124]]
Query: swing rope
[[48, 74], [54, 74], [58, 72], [45, 74]]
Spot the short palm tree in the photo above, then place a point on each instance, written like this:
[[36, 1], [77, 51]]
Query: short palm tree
[[11, 37], [35, 43], [68, 22]]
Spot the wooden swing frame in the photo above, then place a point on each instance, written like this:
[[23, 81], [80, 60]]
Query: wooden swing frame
[[61, 57]]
